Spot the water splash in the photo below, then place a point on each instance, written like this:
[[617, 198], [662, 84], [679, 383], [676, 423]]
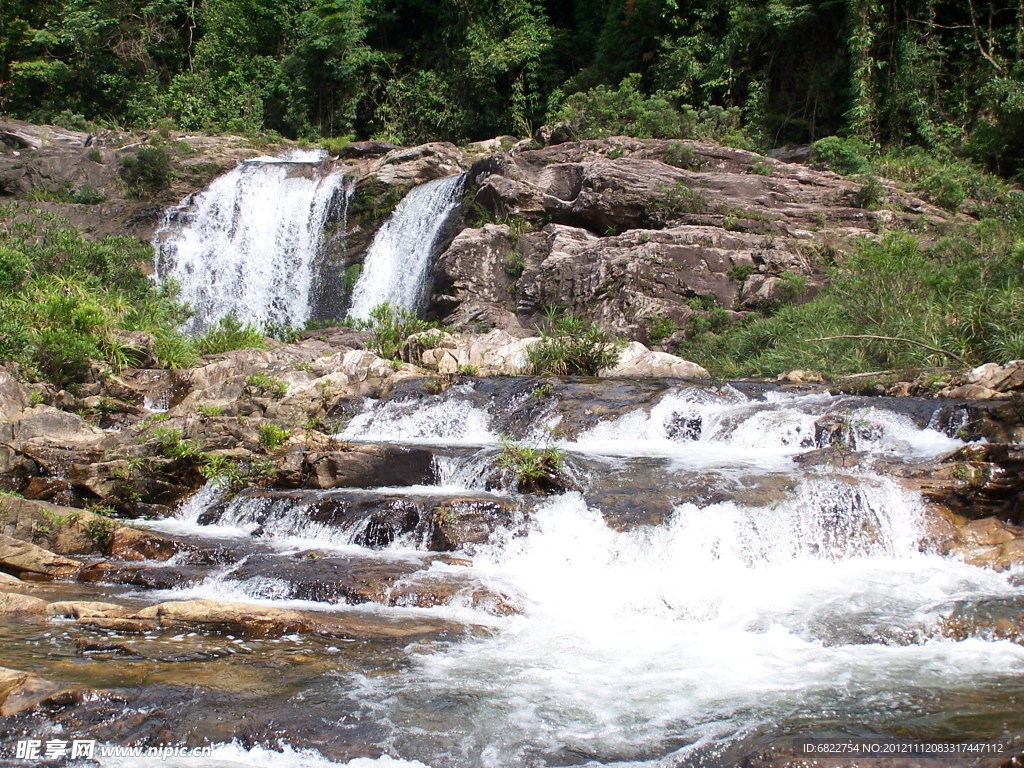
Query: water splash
[[398, 261], [250, 244]]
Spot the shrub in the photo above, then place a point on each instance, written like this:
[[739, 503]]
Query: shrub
[[147, 171], [845, 156], [392, 326], [624, 111], [660, 329], [570, 345], [67, 298]]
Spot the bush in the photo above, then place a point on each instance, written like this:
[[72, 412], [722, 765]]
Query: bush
[[147, 171], [625, 111], [392, 326], [571, 346], [66, 299], [845, 156]]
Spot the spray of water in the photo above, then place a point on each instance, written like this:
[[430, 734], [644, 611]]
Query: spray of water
[[250, 244]]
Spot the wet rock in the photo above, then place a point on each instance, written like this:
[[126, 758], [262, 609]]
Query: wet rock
[[369, 466], [11, 602], [978, 480], [258, 621], [23, 692], [32, 563], [84, 609], [133, 544], [458, 524]]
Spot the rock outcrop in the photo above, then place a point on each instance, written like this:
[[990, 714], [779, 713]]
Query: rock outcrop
[[636, 232]]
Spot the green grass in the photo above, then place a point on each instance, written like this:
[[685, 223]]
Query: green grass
[[272, 436], [530, 469], [67, 301], [572, 346], [959, 301]]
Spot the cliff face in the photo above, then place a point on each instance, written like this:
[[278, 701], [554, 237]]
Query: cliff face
[[632, 231]]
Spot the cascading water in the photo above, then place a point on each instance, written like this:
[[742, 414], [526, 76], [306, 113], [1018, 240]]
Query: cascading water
[[398, 261], [808, 608], [251, 244]]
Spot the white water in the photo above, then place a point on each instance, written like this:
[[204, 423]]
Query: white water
[[249, 244], [398, 261], [667, 644]]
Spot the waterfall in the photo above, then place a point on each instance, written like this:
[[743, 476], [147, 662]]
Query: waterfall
[[252, 243], [398, 261]]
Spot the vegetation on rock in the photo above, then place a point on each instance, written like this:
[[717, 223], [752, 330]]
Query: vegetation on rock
[[573, 346]]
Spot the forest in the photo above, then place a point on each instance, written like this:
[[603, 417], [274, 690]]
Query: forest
[[942, 74]]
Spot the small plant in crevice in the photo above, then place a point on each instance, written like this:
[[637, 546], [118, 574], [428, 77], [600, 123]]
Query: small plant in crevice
[[532, 469], [273, 436], [267, 385]]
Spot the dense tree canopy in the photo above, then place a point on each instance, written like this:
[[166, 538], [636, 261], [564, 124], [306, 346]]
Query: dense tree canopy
[[946, 74]]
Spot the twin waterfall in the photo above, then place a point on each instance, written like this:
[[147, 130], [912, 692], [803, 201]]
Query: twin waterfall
[[255, 244]]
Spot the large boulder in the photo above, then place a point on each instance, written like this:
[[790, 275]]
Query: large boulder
[[32, 563], [636, 360]]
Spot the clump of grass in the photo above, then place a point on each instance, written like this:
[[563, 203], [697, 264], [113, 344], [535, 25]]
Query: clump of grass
[[272, 436], [896, 302], [531, 469], [391, 326], [572, 346], [229, 334]]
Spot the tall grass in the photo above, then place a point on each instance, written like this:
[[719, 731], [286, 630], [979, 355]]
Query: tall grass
[[957, 301], [67, 301]]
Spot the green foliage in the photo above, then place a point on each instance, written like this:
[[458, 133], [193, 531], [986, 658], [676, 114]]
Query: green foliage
[[530, 469], [660, 329], [169, 444], [572, 346], [625, 111], [67, 298], [227, 335], [272, 436], [845, 156], [265, 384], [741, 272], [960, 298], [147, 172], [871, 193], [391, 326]]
